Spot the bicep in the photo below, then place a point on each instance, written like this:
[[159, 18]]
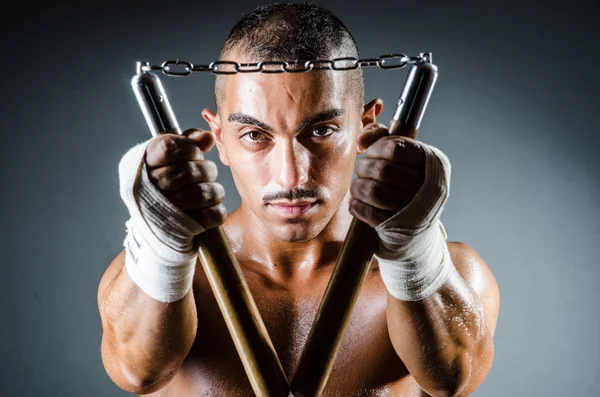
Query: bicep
[[479, 277]]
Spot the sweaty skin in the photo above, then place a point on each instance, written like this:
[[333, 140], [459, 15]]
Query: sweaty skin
[[440, 346]]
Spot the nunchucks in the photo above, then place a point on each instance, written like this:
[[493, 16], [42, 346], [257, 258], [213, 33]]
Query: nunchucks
[[224, 274], [360, 244]]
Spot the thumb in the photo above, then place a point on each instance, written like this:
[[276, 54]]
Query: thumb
[[205, 140], [369, 134]]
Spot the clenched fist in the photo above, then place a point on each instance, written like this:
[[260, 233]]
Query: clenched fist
[[389, 176], [176, 166], [400, 191]]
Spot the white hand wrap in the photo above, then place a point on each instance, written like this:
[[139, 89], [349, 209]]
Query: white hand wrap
[[413, 257], [160, 254]]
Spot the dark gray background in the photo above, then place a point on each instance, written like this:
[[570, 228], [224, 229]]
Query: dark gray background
[[515, 109]]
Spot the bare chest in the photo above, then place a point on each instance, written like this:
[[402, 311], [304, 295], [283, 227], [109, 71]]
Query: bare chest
[[366, 364]]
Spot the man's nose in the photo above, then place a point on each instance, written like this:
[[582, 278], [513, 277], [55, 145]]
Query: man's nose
[[291, 164]]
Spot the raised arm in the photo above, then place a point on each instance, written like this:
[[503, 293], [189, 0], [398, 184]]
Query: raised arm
[[146, 305], [442, 304]]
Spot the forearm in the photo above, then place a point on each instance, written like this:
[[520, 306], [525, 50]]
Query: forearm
[[144, 341], [442, 339]]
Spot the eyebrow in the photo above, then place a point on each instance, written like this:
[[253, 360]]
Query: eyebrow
[[317, 118]]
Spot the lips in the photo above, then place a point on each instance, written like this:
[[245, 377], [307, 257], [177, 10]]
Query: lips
[[292, 209]]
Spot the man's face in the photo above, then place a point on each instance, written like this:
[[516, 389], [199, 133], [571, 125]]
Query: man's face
[[290, 140]]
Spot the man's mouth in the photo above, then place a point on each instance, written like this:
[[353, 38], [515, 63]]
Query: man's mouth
[[293, 208]]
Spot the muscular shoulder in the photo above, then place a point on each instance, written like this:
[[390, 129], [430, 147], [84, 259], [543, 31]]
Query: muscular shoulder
[[478, 275]]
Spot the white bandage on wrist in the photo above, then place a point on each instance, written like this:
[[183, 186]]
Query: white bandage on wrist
[[160, 257], [413, 256]]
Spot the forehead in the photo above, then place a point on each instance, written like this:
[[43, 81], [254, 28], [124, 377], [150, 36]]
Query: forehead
[[283, 99]]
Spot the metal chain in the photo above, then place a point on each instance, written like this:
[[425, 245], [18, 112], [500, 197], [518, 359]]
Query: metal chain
[[179, 68]]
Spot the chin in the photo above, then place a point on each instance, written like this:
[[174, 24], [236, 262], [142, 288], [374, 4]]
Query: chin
[[296, 231]]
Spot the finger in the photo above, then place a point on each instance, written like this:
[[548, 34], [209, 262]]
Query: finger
[[380, 195], [398, 149], [205, 140], [371, 133], [197, 196], [168, 149], [210, 217], [389, 173], [368, 214], [173, 177]]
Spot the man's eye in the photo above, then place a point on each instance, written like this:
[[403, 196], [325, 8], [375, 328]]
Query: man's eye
[[253, 136], [323, 131]]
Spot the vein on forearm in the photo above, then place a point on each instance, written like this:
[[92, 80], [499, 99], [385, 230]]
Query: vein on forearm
[[437, 337]]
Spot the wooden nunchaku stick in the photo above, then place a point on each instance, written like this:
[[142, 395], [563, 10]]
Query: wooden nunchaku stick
[[360, 244], [224, 274]]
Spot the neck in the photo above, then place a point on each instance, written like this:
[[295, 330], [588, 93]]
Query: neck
[[254, 246]]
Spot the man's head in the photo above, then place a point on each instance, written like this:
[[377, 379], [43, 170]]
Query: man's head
[[290, 138], [291, 32]]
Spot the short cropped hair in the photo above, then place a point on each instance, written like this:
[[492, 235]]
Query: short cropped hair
[[292, 32]]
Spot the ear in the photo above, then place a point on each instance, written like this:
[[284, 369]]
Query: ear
[[369, 115], [371, 110], [215, 125]]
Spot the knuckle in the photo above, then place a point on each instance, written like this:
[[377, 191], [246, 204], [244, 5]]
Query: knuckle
[[192, 169], [188, 172], [368, 188], [162, 180], [221, 213], [219, 192], [395, 148], [367, 167], [211, 192], [205, 192], [208, 170], [154, 176], [361, 167], [361, 188], [172, 176], [169, 146], [382, 169], [177, 172], [214, 216], [355, 188]]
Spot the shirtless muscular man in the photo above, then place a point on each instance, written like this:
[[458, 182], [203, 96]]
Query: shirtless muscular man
[[425, 317]]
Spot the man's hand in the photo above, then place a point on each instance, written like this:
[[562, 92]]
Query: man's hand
[[171, 194], [176, 166], [389, 176], [400, 191]]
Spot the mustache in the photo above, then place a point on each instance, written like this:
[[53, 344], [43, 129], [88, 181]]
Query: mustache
[[295, 194]]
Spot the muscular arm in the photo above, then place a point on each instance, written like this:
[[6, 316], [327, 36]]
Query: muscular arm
[[144, 341], [446, 339]]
